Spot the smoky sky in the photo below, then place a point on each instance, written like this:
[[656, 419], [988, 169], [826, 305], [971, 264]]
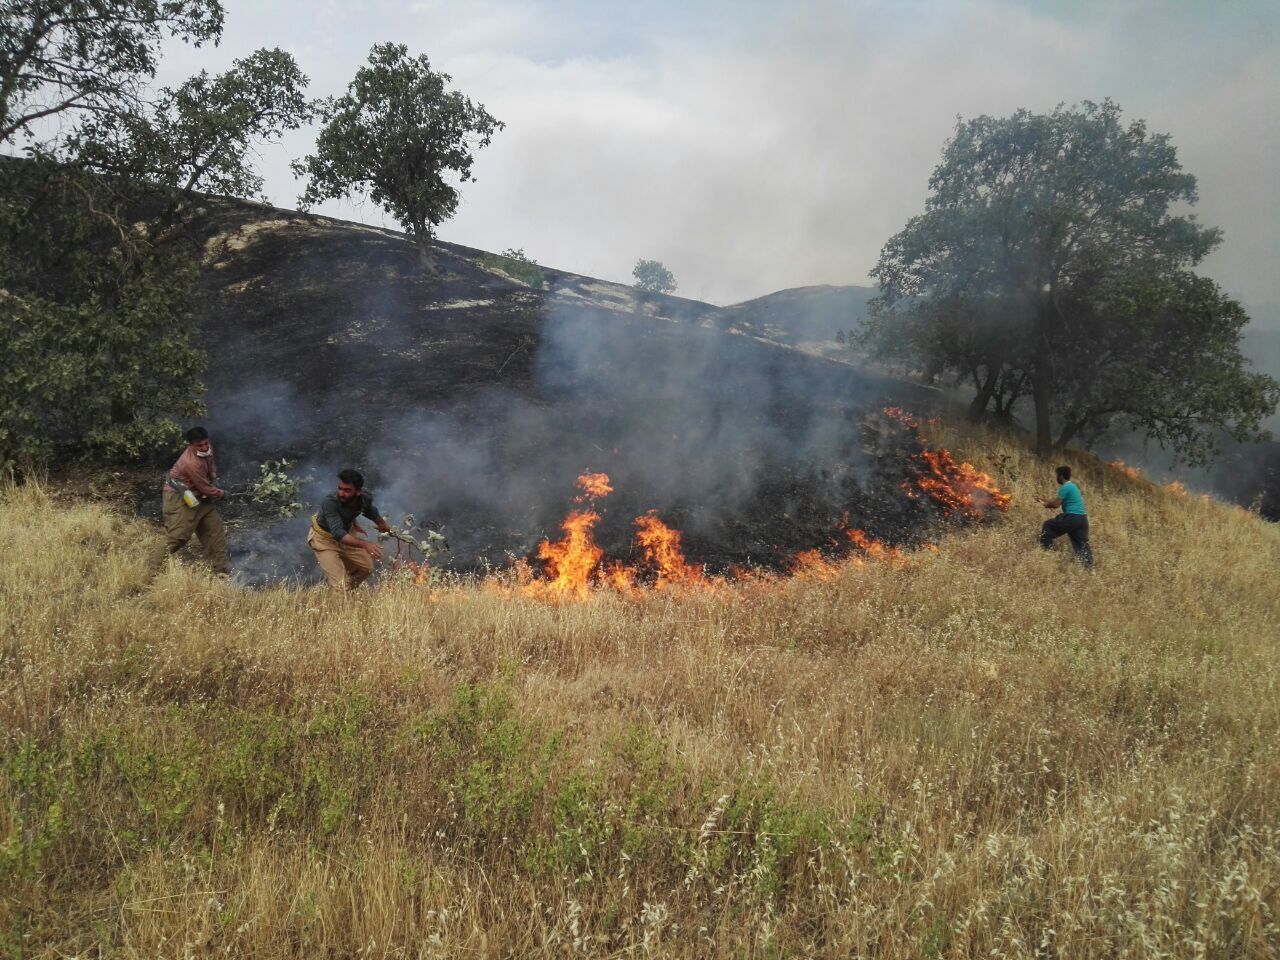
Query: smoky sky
[[757, 146]]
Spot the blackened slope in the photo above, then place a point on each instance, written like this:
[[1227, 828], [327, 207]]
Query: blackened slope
[[474, 400]]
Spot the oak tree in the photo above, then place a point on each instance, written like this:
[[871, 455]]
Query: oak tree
[[402, 138], [95, 276], [1054, 259], [652, 276], [83, 57]]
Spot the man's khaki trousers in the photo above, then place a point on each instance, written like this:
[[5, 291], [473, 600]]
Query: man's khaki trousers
[[345, 567], [203, 521]]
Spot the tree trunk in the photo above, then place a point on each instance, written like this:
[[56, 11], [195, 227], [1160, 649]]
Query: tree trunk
[[983, 397], [426, 256], [1068, 432], [1041, 383]]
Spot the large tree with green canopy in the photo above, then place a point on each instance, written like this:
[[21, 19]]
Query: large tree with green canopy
[[95, 273], [1054, 259]]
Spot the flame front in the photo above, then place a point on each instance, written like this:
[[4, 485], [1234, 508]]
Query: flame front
[[956, 488], [575, 564], [875, 549], [812, 565]]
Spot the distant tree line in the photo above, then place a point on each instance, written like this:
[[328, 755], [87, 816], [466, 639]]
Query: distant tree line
[[96, 258], [1054, 263]]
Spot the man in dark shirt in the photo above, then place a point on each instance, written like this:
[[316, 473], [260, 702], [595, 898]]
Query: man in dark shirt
[[344, 556]]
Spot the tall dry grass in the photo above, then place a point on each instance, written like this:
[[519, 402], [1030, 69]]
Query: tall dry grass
[[987, 751]]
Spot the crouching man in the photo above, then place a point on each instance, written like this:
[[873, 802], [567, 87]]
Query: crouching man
[[336, 539], [187, 500], [1073, 521]]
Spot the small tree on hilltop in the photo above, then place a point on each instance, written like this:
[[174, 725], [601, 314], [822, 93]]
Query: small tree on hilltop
[[395, 136], [1051, 260], [653, 277]]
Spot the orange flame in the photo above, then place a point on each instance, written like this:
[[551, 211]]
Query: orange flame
[[661, 546], [1133, 473], [407, 571], [897, 413], [622, 578], [957, 488], [593, 486], [812, 565], [1177, 488], [572, 560], [874, 548]]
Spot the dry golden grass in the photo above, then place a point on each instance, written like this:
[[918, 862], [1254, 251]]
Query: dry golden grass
[[987, 751]]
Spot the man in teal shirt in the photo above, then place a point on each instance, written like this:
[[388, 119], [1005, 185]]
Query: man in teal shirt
[[1073, 521]]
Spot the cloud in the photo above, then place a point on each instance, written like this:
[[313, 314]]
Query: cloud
[[753, 147]]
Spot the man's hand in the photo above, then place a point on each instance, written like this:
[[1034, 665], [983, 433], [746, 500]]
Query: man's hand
[[384, 527], [219, 493], [373, 549]]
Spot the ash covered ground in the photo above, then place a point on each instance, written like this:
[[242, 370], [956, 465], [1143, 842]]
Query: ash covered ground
[[473, 401]]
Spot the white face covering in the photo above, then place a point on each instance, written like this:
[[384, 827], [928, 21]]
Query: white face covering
[[205, 453]]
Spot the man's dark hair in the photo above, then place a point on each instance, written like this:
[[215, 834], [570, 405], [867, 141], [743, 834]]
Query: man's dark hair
[[196, 434], [1064, 473], [353, 477]]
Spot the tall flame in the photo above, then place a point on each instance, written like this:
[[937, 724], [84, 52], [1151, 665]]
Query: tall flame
[[572, 560], [661, 547]]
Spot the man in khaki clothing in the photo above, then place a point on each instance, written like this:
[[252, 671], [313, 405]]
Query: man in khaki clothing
[[344, 556], [187, 499]]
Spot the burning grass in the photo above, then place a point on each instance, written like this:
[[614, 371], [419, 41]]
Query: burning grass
[[982, 751], [575, 564]]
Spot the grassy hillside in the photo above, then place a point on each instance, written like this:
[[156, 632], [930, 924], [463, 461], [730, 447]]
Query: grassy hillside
[[983, 750]]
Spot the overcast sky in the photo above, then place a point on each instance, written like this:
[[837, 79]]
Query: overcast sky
[[756, 146]]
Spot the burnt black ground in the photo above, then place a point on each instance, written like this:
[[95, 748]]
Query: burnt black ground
[[473, 401]]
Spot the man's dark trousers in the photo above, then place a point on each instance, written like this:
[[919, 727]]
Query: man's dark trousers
[[1075, 526]]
